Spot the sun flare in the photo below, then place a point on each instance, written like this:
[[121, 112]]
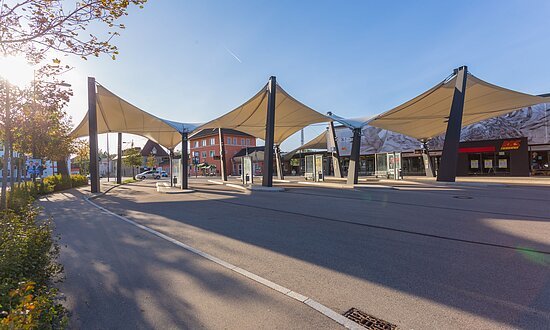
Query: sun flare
[[16, 70]]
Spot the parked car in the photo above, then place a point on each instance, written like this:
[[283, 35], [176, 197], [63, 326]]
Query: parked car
[[164, 174], [148, 175]]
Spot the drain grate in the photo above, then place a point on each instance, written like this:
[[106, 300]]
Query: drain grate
[[368, 321], [462, 197]]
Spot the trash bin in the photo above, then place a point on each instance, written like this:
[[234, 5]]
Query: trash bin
[[175, 180], [320, 176]]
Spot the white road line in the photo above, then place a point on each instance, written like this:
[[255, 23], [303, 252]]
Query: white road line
[[349, 324]]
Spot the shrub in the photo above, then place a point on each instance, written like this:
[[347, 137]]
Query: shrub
[[79, 180], [27, 268]]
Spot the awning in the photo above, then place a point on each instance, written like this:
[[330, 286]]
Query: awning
[[114, 114], [319, 142], [290, 116], [425, 116]]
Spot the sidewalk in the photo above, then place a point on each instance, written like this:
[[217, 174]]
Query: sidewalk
[[121, 277]]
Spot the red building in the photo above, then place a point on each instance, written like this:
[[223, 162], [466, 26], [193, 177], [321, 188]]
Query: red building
[[204, 148]]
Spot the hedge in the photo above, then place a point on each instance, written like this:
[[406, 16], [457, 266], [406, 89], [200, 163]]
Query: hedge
[[27, 269]]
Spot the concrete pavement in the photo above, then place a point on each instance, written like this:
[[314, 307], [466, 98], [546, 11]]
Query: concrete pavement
[[418, 256], [121, 277]]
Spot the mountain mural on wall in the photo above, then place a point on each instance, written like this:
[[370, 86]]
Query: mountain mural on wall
[[532, 122]]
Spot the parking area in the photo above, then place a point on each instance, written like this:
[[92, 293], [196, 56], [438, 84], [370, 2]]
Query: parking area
[[412, 254]]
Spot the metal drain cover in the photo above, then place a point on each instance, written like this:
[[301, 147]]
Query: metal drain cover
[[462, 197], [368, 321]]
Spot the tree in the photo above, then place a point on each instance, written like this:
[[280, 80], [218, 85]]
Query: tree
[[11, 97], [34, 27], [44, 127], [132, 158], [151, 161], [82, 149]]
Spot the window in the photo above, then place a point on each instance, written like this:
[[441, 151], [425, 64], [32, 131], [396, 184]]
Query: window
[[204, 153], [204, 143], [212, 141], [228, 140], [242, 142], [212, 153], [235, 141], [247, 142], [196, 144]]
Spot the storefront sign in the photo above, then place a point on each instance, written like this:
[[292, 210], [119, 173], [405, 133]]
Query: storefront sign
[[510, 145], [476, 149]]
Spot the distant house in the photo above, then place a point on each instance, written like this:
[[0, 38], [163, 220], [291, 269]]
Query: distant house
[[162, 158]]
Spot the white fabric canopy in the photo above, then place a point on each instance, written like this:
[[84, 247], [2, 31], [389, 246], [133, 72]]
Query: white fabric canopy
[[116, 115], [425, 116], [250, 117], [319, 142]]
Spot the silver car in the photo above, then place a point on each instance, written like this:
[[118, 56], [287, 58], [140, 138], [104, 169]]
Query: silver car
[[148, 175]]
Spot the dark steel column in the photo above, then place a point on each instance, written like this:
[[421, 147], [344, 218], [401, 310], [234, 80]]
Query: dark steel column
[[119, 160], [267, 180], [184, 162], [278, 161], [353, 169], [223, 170], [426, 160], [171, 155], [336, 153], [92, 127], [449, 156]]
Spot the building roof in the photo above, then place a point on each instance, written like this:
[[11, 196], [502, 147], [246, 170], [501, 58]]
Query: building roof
[[250, 117], [249, 151], [154, 148], [114, 114], [214, 131]]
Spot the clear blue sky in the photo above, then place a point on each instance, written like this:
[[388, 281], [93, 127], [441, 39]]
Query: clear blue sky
[[355, 58]]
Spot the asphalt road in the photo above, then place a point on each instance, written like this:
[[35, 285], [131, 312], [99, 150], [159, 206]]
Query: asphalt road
[[121, 277], [419, 256]]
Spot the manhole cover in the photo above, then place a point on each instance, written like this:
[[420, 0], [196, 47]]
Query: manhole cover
[[462, 197], [368, 321]]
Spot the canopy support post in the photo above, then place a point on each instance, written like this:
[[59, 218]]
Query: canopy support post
[[449, 156], [184, 179], [171, 158], [426, 159], [267, 180], [280, 174], [223, 165], [92, 128], [353, 169], [335, 153], [119, 160]]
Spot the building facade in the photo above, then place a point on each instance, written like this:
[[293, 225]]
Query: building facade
[[204, 150]]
